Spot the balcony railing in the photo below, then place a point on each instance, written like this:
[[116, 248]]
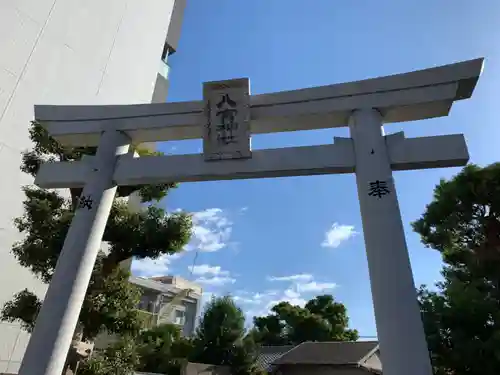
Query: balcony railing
[[148, 319]]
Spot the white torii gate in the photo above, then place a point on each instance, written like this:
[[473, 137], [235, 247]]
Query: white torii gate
[[225, 121]]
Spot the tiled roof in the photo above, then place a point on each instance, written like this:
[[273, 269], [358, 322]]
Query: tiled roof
[[268, 354], [327, 353], [192, 368]]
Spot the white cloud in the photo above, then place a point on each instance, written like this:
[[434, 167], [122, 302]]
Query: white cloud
[[205, 269], [212, 275], [338, 234], [245, 300], [255, 304], [314, 286], [211, 230], [291, 296], [153, 267], [260, 304], [215, 280], [295, 278], [299, 291], [250, 298]]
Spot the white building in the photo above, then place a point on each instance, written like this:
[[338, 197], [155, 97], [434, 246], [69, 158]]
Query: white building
[[165, 299], [170, 299], [68, 52]]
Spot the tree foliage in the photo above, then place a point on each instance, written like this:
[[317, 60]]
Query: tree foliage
[[109, 305], [321, 319], [145, 233], [120, 358], [220, 337], [163, 350], [462, 315], [160, 350]]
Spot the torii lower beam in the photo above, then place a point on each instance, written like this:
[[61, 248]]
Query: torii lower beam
[[338, 158]]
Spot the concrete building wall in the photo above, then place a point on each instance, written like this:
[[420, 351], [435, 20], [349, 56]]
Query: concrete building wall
[[64, 52], [188, 307]]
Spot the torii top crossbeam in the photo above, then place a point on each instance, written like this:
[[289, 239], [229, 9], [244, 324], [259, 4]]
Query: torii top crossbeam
[[402, 97]]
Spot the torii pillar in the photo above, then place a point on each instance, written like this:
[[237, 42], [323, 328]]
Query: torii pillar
[[225, 125], [397, 313]]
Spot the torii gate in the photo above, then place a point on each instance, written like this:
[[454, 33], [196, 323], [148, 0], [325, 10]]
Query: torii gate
[[225, 121]]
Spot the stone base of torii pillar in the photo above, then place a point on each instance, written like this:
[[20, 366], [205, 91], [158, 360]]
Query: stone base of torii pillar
[[364, 106]]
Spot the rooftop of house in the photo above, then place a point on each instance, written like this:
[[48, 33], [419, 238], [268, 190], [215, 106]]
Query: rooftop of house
[[178, 282], [162, 286], [328, 353], [269, 354], [354, 353], [318, 353]]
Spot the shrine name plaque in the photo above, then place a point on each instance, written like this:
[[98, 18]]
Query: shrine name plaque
[[226, 133]]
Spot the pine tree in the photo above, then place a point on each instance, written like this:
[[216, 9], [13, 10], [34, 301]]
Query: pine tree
[[461, 313], [221, 338]]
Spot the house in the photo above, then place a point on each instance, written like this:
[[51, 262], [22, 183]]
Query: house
[[322, 358], [308, 358]]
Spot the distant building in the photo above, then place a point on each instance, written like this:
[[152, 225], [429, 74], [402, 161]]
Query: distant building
[[169, 299], [165, 299]]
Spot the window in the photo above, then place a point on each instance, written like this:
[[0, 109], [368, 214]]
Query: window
[[143, 303], [166, 52], [164, 69], [179, 317]]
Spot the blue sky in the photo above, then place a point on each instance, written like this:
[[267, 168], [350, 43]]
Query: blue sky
[[292, 238]]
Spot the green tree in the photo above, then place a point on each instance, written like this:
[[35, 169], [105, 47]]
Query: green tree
[[221, 337], [120, 358], [160, 350], [110, 302], [163, 350], [462, 314], [321, 319]]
